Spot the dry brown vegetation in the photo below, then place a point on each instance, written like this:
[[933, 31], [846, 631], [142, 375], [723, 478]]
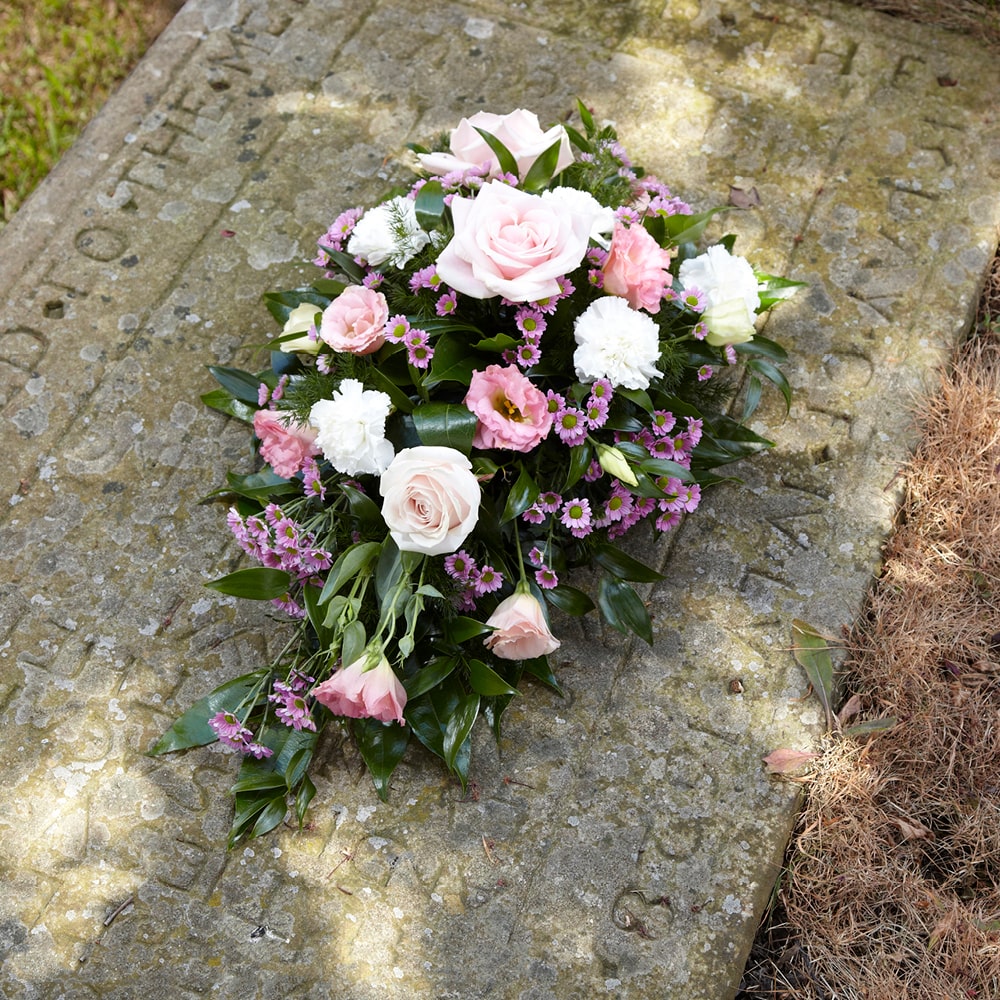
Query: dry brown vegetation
[[892, 883], [978, 18], [892, 886]]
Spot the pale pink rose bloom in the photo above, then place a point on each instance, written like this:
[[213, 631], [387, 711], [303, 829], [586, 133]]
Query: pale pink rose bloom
[[511, 243], [284, 444], [359, 692], [637, 268], [354, 322], [431, 499], [520, 630], [519, 131], [512, 413]]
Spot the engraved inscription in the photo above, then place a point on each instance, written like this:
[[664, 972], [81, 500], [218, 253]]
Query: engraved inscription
[[101, 243]]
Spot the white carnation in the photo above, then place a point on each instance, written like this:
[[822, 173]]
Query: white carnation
[[351, 429], [389, 232], [616, 342], [731, 295]]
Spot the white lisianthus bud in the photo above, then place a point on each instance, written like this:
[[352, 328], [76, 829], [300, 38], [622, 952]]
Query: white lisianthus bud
[[301, 320], [613, 462]]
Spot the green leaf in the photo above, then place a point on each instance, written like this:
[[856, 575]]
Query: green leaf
[[362, 507], [666, 467], [623, 566], [773, 289], [569, 599], [389, 569], [382, 748], [504, 156], [353, 642], [496, 344], [638, 396], [580, 457], [458, 727], [486, 681], [585, 116], [578, 140], [259, 583], [349, 564], [448, 425], [260, 782], [248, 807], [623, 609], [452, 362], [192, 728], [429, 206], [871, 726], [272, 815], [281, 304], [317, 615], [751, 398], [812, 653], [239, 384], [522, 495], [287, 745], [540, 670], [329, 288], [460, 629], [689, 228], [429, 714], [304, 796], [347, 265], [762, 347], [219, 399], [260, 485], [380, 380], [295, 769], [541, 171], [774, 375], [429, 676]]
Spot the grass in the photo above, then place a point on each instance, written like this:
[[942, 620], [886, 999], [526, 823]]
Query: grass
[[59, 62]]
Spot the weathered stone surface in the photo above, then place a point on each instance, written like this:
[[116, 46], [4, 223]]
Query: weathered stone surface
[[620, 841]]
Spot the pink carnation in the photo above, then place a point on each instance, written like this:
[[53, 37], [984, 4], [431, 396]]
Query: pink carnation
[[637, 268], [354, 322], [285, 445], [360, 692], [511, 412]]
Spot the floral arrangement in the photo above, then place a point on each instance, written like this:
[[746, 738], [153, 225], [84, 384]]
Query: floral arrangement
[[503, 372]]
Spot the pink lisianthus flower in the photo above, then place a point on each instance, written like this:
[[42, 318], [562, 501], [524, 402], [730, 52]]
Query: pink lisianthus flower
[[520, 631], [285, 445], [354, 322], [364, 691], [511, 412], [637, 268]]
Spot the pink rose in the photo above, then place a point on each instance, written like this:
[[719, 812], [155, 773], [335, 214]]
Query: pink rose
[[431, 499], [520, 631], [519, 131], [511, 243], [354, 322], [637, 268], [512, 413], [284, 444], [360, 691]]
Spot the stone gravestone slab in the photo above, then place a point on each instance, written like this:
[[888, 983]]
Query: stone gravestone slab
[[621, 841]]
